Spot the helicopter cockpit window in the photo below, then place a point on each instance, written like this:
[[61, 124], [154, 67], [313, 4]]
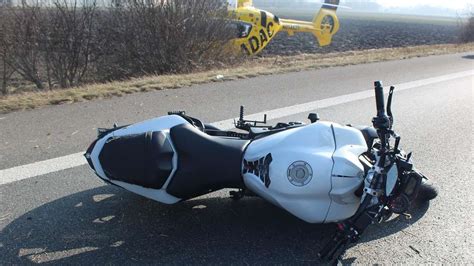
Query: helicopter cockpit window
[[241, 29]]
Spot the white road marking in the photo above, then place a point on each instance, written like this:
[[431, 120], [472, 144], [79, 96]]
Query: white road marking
[[41, 168], [74, 160], [307, 107]]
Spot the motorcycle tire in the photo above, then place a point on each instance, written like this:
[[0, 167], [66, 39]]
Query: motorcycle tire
[[427, 192]]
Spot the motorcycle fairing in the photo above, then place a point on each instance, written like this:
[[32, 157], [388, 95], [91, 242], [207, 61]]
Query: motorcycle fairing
[[331, 154], [348, 172]]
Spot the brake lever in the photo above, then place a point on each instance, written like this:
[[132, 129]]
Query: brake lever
[[389, 105]]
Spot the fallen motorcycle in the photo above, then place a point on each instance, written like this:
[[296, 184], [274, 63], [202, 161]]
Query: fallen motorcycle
[[320, 172]]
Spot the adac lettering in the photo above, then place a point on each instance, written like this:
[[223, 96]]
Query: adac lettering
[[256, 43], [270, 29], [263, 37]]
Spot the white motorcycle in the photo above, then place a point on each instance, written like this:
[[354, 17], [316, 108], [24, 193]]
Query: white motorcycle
[[322, 172]]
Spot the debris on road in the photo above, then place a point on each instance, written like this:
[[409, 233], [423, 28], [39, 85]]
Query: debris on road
[[414, 249]]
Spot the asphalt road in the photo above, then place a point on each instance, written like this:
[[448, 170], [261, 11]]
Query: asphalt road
[[70, 217]]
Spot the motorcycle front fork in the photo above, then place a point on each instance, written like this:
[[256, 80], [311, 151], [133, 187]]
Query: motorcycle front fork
[[349, 232]]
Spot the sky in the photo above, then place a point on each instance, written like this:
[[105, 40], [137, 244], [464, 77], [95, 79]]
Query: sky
[[416, 7], [449, 4]]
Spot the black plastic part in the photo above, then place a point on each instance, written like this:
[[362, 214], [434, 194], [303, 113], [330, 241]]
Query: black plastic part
[[193, 121], [205, 163], [102, 132], [313, 117], [180, 113], [247, 124], [405, 165], [211, 127], [369, 133], [141, 159], [379, 97], [397, 144], [389, 104], [381, 121], [226, 134]]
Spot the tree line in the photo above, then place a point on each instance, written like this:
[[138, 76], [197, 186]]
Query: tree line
[[66, 43]]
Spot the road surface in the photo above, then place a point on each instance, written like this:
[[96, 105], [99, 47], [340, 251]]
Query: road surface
[[54, 210]]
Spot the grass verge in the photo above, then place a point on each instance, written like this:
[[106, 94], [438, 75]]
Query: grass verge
[[251, 68]]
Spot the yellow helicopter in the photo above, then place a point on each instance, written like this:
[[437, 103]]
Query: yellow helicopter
[[256, 28]]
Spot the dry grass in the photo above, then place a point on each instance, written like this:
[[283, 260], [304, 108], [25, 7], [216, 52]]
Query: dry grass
[[252, 68]]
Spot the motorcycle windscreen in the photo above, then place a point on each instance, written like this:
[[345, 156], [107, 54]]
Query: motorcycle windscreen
[[144, 159]]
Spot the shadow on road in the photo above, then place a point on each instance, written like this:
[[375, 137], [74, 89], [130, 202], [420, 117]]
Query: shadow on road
[[471, 56], [110, 225]]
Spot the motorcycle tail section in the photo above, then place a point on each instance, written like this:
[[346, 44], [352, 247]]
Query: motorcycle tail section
[[140, 158]]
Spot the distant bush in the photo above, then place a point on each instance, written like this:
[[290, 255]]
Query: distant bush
[[67, 43], [5, 47], [467, 32], [21, 42], [156, 37]]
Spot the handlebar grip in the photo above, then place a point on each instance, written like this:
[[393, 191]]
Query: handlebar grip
[[379, 98]]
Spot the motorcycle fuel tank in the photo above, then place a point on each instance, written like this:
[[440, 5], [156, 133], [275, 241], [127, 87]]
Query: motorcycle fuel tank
[[310, 171]]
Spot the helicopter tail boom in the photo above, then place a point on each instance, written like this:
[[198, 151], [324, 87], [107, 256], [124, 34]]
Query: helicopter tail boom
[[323, 27]]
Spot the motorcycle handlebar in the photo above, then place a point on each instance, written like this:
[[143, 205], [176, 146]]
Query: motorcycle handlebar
[[379, 98]]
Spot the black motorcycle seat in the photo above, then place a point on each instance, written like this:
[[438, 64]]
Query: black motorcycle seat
[[143, 159], [205, 163]]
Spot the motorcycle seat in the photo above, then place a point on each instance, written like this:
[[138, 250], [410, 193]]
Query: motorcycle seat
[[205, 163], [144, 159]]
